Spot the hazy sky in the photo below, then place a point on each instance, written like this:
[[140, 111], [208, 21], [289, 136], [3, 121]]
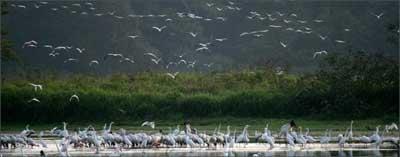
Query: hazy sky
[[240, 33]]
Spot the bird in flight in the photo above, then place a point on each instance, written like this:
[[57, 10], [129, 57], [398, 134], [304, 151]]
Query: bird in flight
[[320, 53], [322, 37], [32, 42], [202, 48], [151, 54], [378, 16], [193, 34], [34, 100], [133, 36], [283, 44], [156, 61], [209, 4], [204, 44], [93, 62], [80, 50], [150, 124], [113, 55], [159, 29], [71, 60], [340, 41], [36, 86], [74, 97], [221, 39], [172, 75]]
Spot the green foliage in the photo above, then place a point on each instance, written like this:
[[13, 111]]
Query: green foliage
[[353, 86]]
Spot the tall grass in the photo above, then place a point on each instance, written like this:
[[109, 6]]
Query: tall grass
[[259, 94]]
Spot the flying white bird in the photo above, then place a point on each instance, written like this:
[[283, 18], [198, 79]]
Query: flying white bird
[[156, 61], [283, 44], [70, 60], [193, 34], [209, 4], [172, 75], [32, 42], [340, 41], [286, 21], [204, 44], [133, 36], [48, 46], [182, 61], [127, 60], [111, 13], [280, 14], [244, 33], [21, 6], [74, 97], [320, 53], [31, 45], [36, 86], [159, 29], [378, 16], [60, 48], [34, 99], [191, 64], [37, 6], [221, 39], [322, 37], [347, 30], [53, 54], [93, 62], [113, 55], [151, 54], [150, 124], [221, 18], [202, 48], [219, 9], [318, 21], [80, 50]]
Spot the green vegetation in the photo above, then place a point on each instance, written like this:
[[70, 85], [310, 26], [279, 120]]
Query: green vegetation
[[355, 85]]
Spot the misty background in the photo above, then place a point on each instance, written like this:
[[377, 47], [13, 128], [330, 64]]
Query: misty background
[[100, 35]]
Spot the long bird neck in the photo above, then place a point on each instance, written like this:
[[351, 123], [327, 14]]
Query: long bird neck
[[105, 127], [109, 127], [228, 130], [308, 131], [377, 130], [244, 131]]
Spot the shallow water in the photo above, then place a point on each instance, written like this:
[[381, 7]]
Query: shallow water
[[251, 150]]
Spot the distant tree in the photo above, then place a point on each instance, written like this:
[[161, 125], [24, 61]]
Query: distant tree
[[7, 53]]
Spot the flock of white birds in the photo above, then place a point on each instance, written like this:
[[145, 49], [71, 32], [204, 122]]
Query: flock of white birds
[[121, 139], [278, 21]]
